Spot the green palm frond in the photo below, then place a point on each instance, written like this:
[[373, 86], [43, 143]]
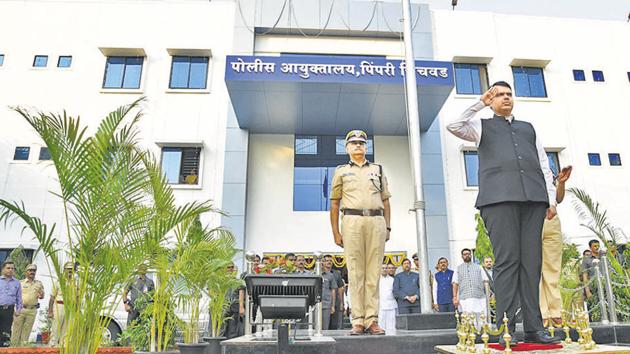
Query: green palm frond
[[596, 220], [118, 213]]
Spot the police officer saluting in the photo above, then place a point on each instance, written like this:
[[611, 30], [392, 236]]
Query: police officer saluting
[[360, 191]]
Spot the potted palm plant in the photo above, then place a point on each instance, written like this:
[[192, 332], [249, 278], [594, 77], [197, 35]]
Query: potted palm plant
[[204, 253], [222, 283], [116, 207]]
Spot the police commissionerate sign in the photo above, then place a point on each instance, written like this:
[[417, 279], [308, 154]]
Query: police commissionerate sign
[[334, 69]]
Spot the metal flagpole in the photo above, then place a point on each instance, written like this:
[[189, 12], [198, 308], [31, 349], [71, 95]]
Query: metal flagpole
[[413, 127]]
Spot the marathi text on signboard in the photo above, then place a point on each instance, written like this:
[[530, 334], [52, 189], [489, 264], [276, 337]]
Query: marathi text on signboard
[[333, 69]]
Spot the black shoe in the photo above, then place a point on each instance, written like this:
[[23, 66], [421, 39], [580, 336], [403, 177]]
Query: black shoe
[[541, 337]]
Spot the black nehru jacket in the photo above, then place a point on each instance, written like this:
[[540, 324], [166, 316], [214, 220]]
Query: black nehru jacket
[[509, 165]]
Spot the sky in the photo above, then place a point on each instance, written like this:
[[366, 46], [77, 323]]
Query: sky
[[598, 10]]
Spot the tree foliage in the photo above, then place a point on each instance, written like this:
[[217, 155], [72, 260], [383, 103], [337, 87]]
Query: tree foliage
[[118, 211], [483, 247]]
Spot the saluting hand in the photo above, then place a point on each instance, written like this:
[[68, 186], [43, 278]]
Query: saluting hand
[[488, 96]]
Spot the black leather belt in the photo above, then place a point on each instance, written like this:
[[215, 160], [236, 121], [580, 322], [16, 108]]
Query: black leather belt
[[363, 212]]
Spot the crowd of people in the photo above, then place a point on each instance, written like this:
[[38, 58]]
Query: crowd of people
[[468, 287], [19, 303], [399, 288]]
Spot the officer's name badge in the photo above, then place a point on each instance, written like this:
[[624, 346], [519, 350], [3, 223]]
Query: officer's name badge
[[348, 174]]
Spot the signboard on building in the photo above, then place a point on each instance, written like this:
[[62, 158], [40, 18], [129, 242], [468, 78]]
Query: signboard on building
[[334, 69]]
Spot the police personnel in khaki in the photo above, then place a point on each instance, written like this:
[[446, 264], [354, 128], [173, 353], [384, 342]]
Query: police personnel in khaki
[[360, 191], [56, 310], [32, 292]]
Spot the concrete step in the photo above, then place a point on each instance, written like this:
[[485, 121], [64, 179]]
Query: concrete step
[[404, 342], [423, 321]]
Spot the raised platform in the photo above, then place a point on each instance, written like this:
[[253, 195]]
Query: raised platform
[[572, 349], [405, 341]]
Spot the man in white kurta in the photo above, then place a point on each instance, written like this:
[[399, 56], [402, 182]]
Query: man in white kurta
[[468, 287], [388, 305]]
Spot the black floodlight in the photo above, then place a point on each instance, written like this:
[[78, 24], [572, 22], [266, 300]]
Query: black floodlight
[[284, 296]]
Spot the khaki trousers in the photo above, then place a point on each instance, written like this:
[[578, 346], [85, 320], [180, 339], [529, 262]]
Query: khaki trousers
[[58, 326], [550, 300], [364, 245], [22, 325]]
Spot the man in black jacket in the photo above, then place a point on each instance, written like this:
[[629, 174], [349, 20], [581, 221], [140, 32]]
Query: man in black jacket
[[516, 193]]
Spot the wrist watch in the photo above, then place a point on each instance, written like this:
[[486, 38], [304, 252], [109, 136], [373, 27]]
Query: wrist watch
[[389, 229]]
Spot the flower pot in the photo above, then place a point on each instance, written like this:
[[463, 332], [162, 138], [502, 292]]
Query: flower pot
[[31, 350], [115, 350], [45, 337], [193, 348], [214, 344]]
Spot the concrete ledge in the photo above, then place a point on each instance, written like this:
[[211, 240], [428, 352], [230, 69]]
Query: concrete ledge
[[422, 321]]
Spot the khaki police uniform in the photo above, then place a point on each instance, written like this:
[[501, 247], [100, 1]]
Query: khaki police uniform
[[23, 323], [362, 188], [58, 326], [550, 300]]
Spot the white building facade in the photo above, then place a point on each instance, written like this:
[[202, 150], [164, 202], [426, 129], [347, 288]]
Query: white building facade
[[235, 142]]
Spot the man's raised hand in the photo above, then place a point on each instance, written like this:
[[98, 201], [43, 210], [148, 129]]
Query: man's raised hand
[[488, 96], [564, 175]]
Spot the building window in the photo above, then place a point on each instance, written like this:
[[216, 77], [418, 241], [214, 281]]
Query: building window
[[21, 153], [40, 61], [529, 81], [44, 154], [316, 158], [189, 72], [614, 159], [594, 159], [554, 162], [598, 76], [311, 188], [181, 164], [578, 75], [471, 164], [6, 252], [306, 145], [471, 79], [123, 72], [2, 62], [340, 146], [65, 61]]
